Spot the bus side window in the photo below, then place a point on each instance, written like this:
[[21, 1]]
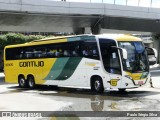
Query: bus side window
[[28, 54], [70, 49], [74, 53], [85, 52], [75, 49], [90, 50], [21, 54], [57, 53], [55, 50], [66, 53], [44, 53]]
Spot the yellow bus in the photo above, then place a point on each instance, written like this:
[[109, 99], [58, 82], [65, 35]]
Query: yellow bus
[[96, 62]]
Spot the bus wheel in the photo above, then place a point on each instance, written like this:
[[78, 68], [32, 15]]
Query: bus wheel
[[97, 85], [22, 82], [31, 82]]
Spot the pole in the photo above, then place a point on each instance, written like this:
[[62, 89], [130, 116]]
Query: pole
[[151, 4]]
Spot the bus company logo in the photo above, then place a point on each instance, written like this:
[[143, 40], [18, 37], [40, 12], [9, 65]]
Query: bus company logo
[[31, 64], [6, 114]]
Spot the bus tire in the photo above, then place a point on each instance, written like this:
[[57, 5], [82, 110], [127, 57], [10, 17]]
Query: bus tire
[[97, 85], [22, 82], [31, 82]]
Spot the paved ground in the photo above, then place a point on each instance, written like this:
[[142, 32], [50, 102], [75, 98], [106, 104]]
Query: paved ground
[[50, 99], [155, 72], [45, 98]]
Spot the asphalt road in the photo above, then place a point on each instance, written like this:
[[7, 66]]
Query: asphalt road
[[44, 98], [155, 72]]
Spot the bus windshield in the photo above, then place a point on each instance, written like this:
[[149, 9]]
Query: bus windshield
[[136, 57]]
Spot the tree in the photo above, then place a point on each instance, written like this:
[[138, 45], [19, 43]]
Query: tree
[[13, 38]]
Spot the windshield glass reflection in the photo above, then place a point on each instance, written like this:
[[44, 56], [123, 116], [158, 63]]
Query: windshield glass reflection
[[136, 57]]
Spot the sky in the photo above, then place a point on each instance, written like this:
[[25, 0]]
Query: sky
[[143, 3]]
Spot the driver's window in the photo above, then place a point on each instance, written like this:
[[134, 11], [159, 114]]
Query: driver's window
[[110, 56]]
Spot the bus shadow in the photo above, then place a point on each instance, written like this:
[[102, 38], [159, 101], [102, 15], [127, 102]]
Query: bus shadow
[[84, 92], [2, 82]]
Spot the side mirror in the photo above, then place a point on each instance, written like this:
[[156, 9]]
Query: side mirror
[[123, 51], [152, 55]]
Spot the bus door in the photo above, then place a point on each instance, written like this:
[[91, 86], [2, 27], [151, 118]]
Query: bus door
[[111, 62], [114, 69]]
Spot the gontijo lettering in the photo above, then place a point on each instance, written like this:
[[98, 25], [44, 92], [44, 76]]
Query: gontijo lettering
[[31, 64]]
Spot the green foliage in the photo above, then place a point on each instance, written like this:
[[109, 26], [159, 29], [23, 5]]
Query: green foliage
[[33, 37], [3, 41], [13, 38]]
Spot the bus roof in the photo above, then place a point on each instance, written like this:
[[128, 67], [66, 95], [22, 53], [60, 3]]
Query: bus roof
[[58, 39], [69, 38], [118, 37]]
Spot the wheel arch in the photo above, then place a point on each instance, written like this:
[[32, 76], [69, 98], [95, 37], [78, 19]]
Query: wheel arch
[[30, 75], [92, 78], [21, 75]]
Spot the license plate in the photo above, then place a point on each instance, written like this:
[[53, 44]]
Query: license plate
[[140, 83]]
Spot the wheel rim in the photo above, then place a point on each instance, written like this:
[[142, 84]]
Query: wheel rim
[[22, 82], [31, 83], [97, 84]]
